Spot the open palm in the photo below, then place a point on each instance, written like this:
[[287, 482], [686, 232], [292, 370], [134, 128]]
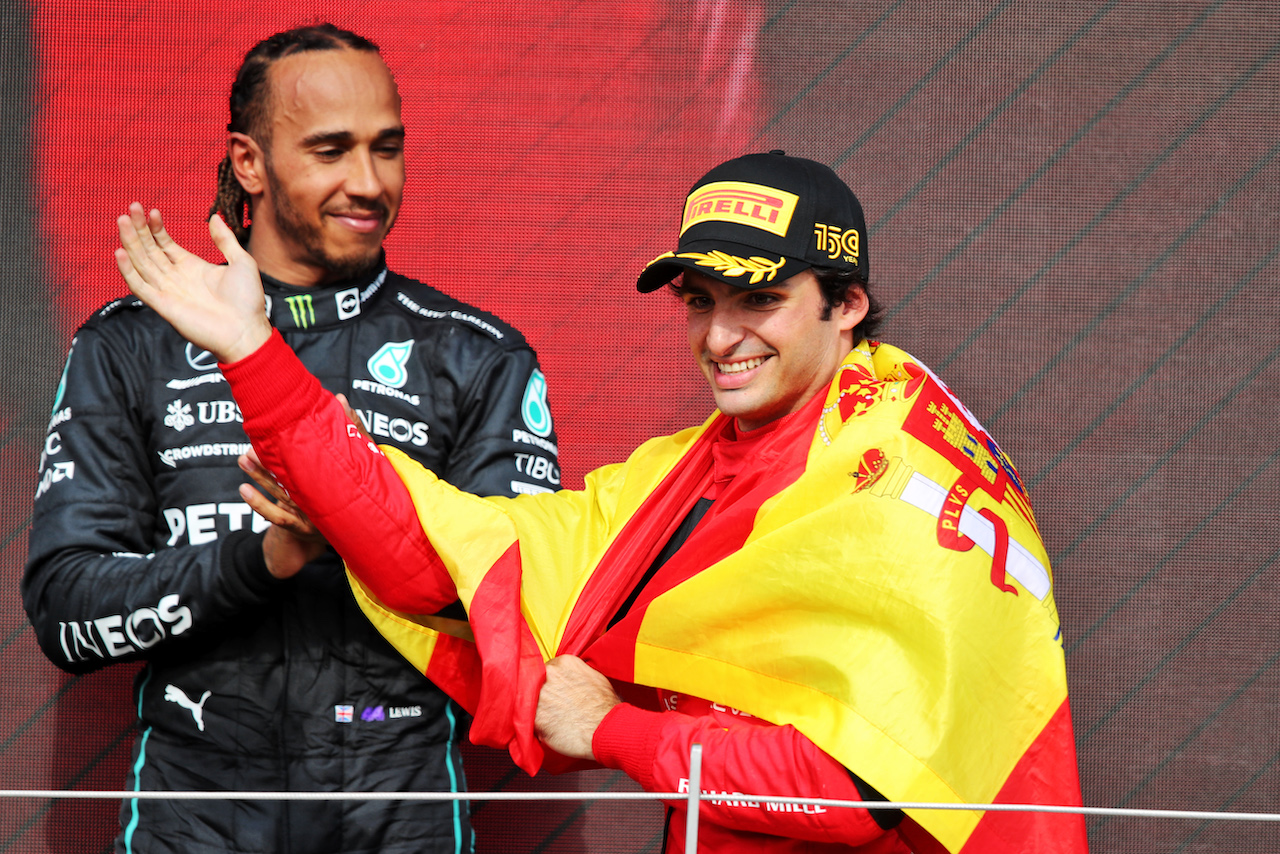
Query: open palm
[[219, 308]]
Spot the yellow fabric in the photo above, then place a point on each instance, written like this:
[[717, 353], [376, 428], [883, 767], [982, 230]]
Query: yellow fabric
[[843, 615]]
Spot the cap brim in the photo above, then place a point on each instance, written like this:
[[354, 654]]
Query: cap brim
[[733, 264]]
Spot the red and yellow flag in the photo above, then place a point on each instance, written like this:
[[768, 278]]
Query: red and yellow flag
[[884, 590]]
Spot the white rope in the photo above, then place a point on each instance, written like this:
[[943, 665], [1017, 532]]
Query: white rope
[[55, 794], [342, 796], [1046, 808], [694, 796]]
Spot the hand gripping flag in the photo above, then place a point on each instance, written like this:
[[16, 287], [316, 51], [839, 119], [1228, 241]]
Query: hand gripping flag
[[884, 590]]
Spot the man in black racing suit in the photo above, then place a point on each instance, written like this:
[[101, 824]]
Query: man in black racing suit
[[142, 548]]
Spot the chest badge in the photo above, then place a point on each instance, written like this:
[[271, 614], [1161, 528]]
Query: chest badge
[[387, 366], [534, 408]]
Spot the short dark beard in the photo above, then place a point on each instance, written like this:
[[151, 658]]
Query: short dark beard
[[307, 236]]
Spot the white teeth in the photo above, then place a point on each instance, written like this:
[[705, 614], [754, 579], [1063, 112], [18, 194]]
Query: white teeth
[[739, 367]]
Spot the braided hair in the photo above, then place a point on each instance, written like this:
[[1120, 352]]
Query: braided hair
[[251, 102]]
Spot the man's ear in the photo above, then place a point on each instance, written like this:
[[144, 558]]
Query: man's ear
[[854, 308], [248, 161]]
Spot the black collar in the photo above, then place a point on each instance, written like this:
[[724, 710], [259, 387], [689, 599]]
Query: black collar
[[292, 307]]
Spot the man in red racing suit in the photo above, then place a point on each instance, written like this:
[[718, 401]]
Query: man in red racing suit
[[774, 330], [649, 736]]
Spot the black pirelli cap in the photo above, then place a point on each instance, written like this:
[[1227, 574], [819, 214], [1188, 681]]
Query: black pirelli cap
[[762, 218]]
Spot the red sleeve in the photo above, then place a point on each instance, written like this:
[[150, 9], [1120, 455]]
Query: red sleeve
[[756, 758], [339, 478]]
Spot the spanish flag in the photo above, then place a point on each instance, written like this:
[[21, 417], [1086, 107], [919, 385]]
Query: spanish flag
[[884, 590]]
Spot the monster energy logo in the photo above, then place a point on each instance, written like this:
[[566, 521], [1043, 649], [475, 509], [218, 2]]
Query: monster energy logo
[[304, 313]]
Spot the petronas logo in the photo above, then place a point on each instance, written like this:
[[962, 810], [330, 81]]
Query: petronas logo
[[62, 383], [387, 365], [534, 408], [304, 313]]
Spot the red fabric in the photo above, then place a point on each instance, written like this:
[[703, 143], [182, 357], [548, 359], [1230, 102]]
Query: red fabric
[[1050, 758], [634, 549], [301, 433], [452, 672], [741, 754], [776, 454], [505, 714], [290, 417], [1000, 558]]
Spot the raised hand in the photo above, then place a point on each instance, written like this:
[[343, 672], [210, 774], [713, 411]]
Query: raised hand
[[219, 308]]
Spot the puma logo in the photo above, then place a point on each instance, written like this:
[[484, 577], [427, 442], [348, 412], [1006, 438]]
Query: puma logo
[[174, 694]]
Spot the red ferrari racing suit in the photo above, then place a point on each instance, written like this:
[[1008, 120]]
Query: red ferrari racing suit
[[366, 512]]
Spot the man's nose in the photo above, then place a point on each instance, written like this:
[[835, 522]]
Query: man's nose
[[725, 330], [363, 180]]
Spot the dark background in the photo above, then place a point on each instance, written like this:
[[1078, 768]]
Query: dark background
[[1073, 219]]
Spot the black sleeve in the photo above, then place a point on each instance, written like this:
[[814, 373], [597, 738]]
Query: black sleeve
[[100, 586], [886, 819], [505, 443]]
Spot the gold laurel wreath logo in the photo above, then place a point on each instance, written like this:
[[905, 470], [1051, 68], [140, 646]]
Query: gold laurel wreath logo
[[761, 269]]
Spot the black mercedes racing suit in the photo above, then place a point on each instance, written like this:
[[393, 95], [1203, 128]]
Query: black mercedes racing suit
[[142, 548]]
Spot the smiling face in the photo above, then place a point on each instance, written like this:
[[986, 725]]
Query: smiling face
[[327, 183], [766, 352]]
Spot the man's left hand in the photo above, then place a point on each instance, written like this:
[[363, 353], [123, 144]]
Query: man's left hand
[[574, 699], [292, 541]]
